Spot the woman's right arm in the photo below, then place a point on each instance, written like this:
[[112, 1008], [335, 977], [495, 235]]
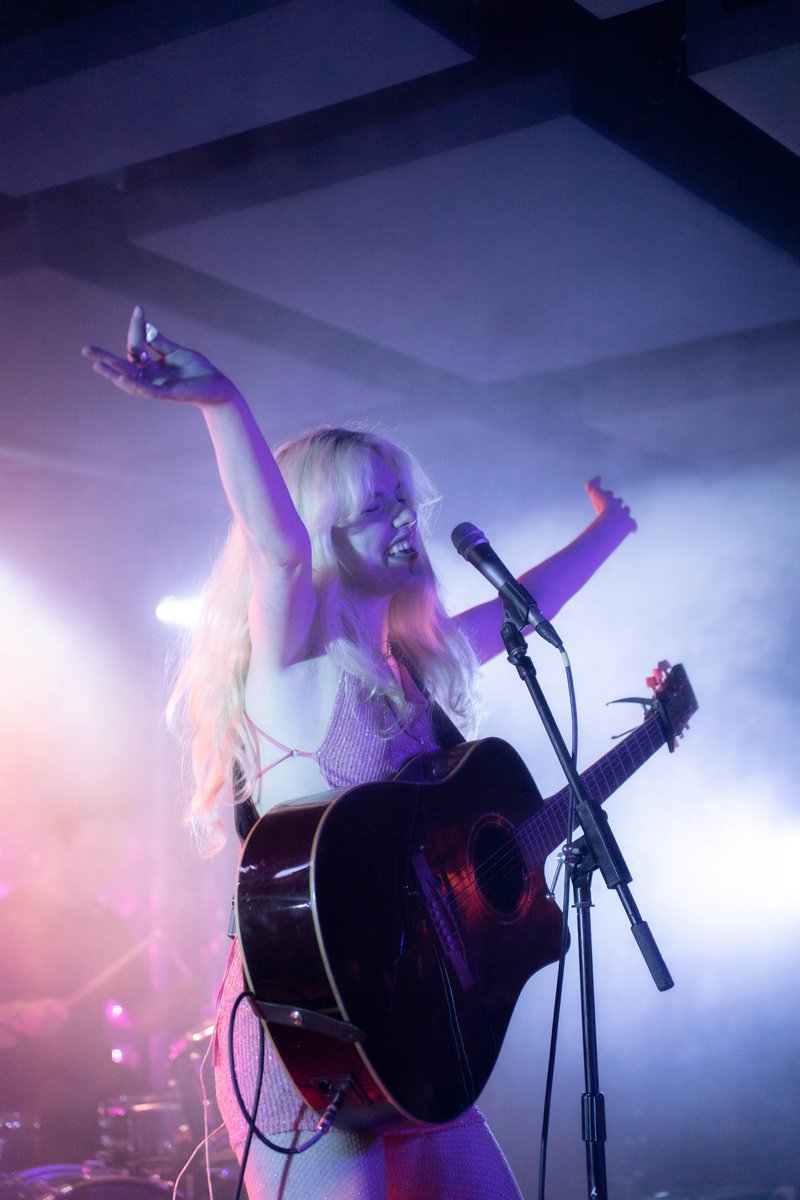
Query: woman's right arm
[[278, 544]]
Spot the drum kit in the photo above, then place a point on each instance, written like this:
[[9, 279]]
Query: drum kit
[[143, 1144]]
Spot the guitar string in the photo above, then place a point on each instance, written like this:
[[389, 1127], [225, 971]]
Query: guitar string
[[602, 779], [530, 831], [465, 1070], [638, 748]]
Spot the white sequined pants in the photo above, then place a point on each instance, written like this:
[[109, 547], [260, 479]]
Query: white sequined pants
[[460, 1161]]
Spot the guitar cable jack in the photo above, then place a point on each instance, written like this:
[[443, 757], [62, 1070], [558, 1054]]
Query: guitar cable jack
[[332, 1111]]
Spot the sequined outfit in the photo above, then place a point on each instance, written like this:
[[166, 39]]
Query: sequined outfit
[[363, 742]]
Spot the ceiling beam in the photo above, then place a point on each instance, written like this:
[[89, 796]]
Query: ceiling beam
[[629, 82]]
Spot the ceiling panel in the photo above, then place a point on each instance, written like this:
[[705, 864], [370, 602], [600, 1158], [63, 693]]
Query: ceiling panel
[[522, 253], [262, 68], [765, 89]]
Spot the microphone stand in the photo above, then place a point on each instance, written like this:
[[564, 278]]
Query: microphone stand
[[597, 848]]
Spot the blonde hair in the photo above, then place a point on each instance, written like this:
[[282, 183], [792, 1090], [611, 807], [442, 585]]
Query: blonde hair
[[328, 473]]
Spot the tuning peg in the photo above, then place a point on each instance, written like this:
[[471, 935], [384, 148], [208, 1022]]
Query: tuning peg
[[657, 679]]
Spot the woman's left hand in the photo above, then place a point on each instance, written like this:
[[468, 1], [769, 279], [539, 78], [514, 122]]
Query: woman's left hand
[[609, 506]]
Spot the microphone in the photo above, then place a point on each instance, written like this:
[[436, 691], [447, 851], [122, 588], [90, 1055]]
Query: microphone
[[473, 545]]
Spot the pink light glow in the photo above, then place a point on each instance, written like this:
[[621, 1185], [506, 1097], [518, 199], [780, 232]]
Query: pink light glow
[[116, 1014]]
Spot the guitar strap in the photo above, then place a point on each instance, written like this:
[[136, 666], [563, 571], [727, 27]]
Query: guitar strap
[[446, 732], [245, 813]]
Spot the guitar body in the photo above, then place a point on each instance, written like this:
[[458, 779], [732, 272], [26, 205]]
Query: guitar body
[[383, 906], [387, 930]]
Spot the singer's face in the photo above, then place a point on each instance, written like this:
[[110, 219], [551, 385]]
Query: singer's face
[[378, 552]]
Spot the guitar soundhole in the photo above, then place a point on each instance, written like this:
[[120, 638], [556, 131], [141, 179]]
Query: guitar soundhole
[[499, 867]]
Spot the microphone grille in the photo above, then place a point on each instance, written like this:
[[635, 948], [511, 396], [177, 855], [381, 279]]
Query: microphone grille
[[465, 536]]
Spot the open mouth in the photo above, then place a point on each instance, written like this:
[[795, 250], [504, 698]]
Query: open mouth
[[402, 550]]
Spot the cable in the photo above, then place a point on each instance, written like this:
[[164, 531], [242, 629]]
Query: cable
[[551, 1058], [200, 1146], [323, 1125]]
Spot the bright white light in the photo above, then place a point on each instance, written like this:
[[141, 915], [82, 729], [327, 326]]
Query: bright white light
[[91, 739], [117, 1055], [173, 610], [117, 1015]]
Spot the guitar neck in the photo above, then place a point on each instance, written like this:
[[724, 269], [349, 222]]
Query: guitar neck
[[547, 829]]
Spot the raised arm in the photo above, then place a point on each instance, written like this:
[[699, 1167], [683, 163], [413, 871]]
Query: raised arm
[[559, 577], [278, 544]]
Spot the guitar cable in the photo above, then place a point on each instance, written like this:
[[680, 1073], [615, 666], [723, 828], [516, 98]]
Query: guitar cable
[[323, 1125], [562, 958]]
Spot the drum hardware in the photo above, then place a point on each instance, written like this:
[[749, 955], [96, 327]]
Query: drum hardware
[[84, 1181], [144, 1142], [185, 1063], [19, 1139], [147, 1132]]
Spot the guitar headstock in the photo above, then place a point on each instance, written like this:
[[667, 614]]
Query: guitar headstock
[[671, 687]]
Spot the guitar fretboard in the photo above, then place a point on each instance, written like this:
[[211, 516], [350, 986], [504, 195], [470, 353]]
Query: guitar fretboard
[[547, 829]]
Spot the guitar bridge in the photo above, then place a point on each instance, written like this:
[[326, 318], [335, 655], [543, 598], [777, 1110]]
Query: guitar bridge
[[442, 920]]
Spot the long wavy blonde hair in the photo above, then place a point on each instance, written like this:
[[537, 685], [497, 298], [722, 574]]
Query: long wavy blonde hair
[[328, 473]]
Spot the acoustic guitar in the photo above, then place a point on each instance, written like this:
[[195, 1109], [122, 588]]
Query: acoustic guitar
[[388, 929]]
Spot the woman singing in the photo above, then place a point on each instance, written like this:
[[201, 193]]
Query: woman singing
[[321, 652]]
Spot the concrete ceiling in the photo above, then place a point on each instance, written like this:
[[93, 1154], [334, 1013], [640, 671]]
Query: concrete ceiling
[[515, 212], [431, 194]]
